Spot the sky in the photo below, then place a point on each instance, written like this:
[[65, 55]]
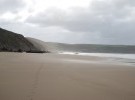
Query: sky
[[71, 21]]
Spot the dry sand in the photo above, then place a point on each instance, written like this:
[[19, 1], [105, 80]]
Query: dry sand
[[64, 77]]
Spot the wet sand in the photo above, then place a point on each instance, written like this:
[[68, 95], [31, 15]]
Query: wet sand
[[64, 77]]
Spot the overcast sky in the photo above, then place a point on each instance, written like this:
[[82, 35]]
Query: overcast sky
[[71, 21]]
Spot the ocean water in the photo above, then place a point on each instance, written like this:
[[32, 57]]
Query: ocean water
[[123, 58], [112, 55]]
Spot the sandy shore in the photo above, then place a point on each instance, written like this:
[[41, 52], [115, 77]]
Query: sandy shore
[[64, 77]]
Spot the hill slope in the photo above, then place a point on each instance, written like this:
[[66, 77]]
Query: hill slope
[[10, 41]]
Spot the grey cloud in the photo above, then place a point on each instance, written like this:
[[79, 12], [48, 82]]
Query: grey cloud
[[49, 34], [11, 5], [113, 20]]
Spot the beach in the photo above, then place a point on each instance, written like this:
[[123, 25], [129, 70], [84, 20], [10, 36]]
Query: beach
[[26, 76]]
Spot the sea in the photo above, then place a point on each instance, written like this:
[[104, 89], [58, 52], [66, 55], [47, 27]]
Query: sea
[[123, 58]]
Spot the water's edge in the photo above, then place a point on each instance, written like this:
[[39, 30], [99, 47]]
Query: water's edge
[[123, 58]]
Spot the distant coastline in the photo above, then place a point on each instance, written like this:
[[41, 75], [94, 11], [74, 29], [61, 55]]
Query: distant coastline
[[13, 42]]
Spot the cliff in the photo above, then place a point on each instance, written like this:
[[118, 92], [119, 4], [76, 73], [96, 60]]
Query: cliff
[[13, 42]]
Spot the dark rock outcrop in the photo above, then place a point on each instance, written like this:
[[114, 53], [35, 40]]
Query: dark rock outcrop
[[13, 42]]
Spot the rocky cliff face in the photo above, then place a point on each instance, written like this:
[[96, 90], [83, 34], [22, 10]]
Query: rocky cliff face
[[12, 42]]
